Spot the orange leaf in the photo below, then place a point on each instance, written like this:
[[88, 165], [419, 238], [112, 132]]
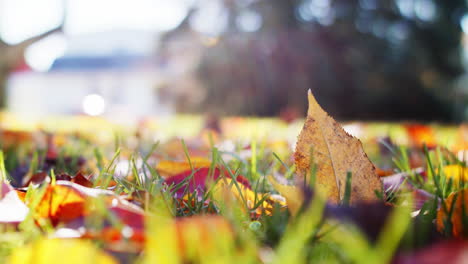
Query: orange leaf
[[61, 203], [66, 201], [125, 240], [167, 168], [420, 135], [383, 173], [458, 216]]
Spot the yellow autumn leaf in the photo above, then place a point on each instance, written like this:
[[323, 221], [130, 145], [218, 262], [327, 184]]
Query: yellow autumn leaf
[[204, 239], [225, 187], [335, 153], [162, 245], [456, 172], [168, 168], [196, 239], [57, 251], [293, 195]]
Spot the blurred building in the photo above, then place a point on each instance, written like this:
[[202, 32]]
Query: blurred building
[[111, 73]]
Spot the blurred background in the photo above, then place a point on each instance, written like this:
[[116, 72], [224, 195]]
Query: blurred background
[[378, 60]]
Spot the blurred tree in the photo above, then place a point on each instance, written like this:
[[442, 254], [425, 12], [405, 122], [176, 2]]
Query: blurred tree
[[366, 59], [12, 56]]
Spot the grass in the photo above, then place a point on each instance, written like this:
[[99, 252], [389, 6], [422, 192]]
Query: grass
[[258, 235]]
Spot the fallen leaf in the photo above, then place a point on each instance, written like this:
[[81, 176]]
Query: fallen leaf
[[55, 251], [119, 240], [335, 153], [63, 177], [36, 178], [66, 201], [293, 195], [420, 135], [167, 168], [60, 204], [457, 220], [447, 252], [456, 172], [383, 173], [199, 180], [129, 215], [225, 189], [82, 180], [200, 237]]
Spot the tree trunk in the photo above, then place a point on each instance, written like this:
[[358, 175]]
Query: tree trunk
[[11, 56]]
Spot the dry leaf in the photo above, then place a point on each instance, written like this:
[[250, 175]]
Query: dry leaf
[[458, 217], [335, 153]]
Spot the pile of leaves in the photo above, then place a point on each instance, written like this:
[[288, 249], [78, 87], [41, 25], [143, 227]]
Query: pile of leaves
[[212, 200]]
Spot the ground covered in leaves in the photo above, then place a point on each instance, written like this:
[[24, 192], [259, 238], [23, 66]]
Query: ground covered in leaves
[[224, 191]]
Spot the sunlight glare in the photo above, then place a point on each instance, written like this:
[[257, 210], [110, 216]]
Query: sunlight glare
[[41, 55], [94, 105]]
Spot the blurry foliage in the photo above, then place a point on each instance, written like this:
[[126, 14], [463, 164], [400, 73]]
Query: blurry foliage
[[363, 59]]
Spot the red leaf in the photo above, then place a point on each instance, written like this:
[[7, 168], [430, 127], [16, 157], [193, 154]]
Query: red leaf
[[81, 180], [446, 252], [61, 203], [199, 180], [37, 178]]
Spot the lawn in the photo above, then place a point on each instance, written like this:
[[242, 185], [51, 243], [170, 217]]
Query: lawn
[[192, 190]]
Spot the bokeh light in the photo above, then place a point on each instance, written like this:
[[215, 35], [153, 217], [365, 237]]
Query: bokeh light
[[94, 105]]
